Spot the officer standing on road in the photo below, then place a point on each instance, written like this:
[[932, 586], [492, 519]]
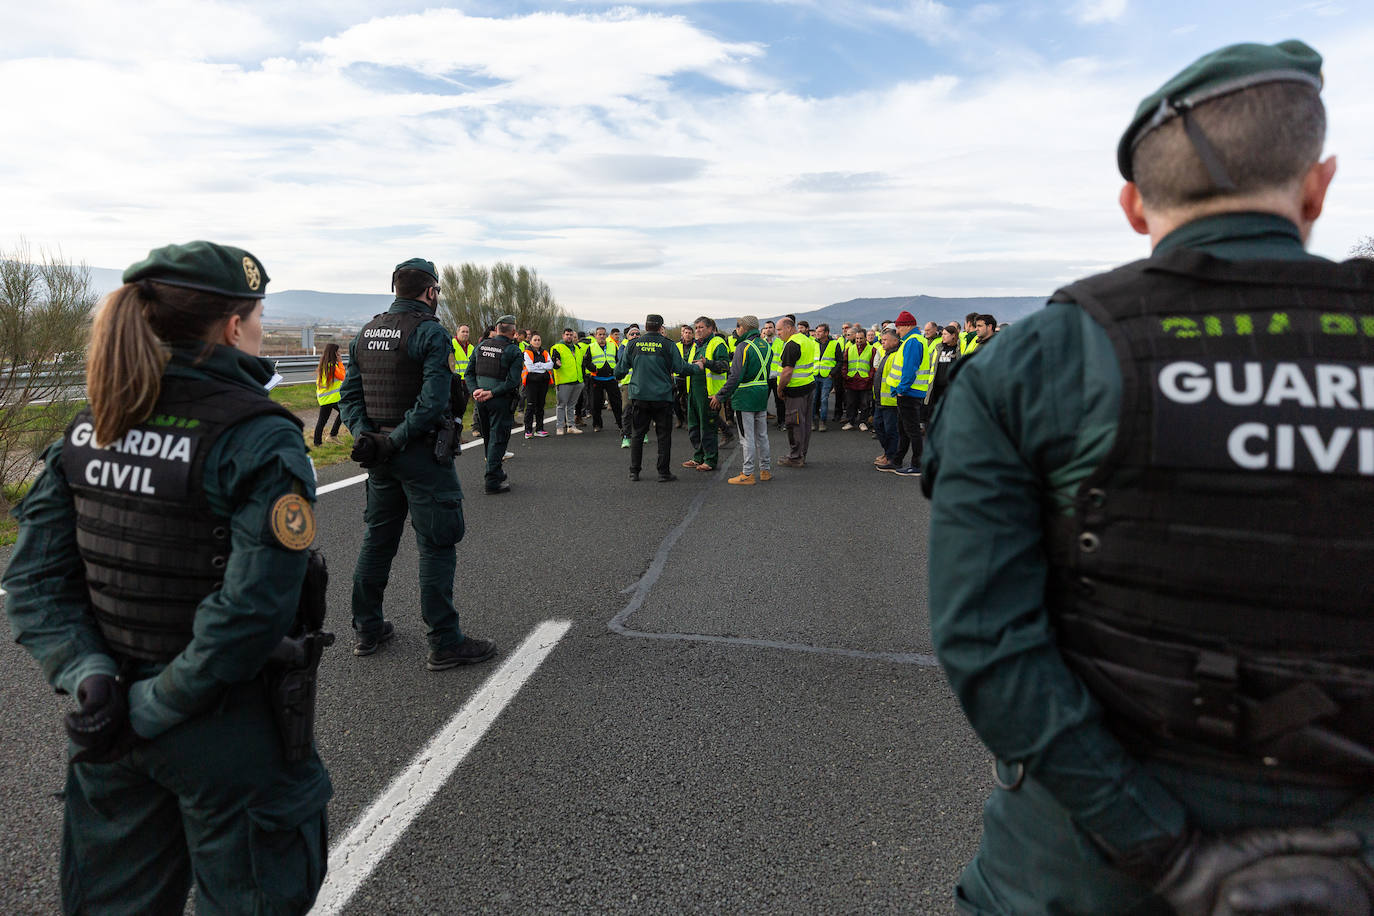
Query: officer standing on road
[[651, 362], [1151, 520], [396, 402], [160, 556], [494, 379]]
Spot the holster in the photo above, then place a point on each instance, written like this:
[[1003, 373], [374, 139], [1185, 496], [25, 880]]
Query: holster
[[446, 440], [293, 667]]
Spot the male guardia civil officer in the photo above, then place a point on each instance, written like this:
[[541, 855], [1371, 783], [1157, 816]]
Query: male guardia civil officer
[[395, 399], [494, 379], [1151, 517]]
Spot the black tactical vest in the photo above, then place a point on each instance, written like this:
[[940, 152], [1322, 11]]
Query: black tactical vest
[[488, 357], [391, 379], [1212, 587], [151, 547]]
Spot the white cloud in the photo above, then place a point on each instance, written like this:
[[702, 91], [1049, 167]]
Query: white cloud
[[1094, 11], [579, 150]]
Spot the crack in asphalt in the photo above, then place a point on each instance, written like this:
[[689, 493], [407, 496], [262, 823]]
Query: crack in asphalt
[[641, 588]]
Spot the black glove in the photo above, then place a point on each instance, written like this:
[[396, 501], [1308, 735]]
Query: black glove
[[372, 449], [1314, 885], [1194, 874], [101, 726]]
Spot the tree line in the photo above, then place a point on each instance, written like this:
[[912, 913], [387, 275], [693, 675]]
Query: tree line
[[473, 295]]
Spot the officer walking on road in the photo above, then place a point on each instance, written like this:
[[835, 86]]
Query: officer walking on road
[[396, 403], [651, 361], [1151, 520], [160, 555], [494, 379]]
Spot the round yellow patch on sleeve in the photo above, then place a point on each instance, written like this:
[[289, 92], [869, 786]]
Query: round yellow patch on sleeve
[[293, 522]]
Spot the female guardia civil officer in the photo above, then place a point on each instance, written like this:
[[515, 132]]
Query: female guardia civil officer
[[160, 556]]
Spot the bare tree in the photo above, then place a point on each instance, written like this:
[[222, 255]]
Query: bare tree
[[476, 296], [45, 310], [1364, 248]]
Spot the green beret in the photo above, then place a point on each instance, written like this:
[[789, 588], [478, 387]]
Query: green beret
[[506, 319], [1211, 76], [204, 266], [418, 264]]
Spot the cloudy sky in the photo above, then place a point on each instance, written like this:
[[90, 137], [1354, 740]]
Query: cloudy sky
[[668, 156]]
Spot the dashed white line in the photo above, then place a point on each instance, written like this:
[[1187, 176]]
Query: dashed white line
[[367, 843]]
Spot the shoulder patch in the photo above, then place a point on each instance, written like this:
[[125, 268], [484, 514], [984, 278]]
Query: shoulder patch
[[293, 522], [452, 362]]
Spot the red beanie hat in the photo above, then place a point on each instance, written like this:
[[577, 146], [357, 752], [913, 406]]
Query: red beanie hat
[[906, 318]]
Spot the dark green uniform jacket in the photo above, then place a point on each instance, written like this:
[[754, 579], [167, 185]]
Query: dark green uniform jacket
[[653, 358], [432, 347], [1028, 416], [209, 797], [746, 366], [513, 359], [236, 627]]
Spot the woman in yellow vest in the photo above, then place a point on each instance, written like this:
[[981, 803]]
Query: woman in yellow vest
[[329, 376]]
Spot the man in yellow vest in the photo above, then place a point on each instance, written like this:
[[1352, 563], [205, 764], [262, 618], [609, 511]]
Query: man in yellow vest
[[462, 353], [770, 334], [684, 347], [984, 326], [796, 381], [885, 411], [908, 373], [567, 378], [601, 354], [827, 358], [856, 369], [710, 359]]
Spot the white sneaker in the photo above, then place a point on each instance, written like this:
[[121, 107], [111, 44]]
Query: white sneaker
[[558, 432], [574, 431], [847, 426], [507, 456], [863, 426]]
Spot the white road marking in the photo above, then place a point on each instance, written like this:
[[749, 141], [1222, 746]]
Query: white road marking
[[370, 839], [361, 478]]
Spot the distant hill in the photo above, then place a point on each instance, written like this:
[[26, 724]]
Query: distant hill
[[925, 308], [875, 311], [309, 307]]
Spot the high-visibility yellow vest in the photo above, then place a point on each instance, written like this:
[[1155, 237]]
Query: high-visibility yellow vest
[[805, 369], [968, 342], [972, 345], [858, 363], [923, 372], [327, 389], [826, 357], [777, 344], [716, 380], [570, 364], [602, 357], [886, 396], [461, 357]]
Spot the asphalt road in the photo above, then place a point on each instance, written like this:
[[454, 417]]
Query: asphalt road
[[754, 727]]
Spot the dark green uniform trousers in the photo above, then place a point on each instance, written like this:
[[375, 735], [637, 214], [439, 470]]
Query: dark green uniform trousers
[[411, 481], [701, 426], [1035, 859], [211, 800], [495, 416]]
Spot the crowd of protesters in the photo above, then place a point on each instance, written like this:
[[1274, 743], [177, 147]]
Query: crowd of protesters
[[884, 380]]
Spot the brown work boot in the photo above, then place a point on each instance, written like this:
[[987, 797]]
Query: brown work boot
[[745, 479], [765, 475], [689, 463]]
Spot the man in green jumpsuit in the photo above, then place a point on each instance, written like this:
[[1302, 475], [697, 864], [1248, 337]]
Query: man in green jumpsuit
[[395, 399], [1098, 808], [709, 360], [494, 379], [199, 788]]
